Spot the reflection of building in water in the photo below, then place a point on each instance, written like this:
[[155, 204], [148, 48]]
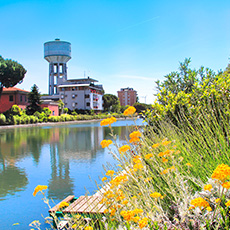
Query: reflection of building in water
[[82, 142], [60, 184]]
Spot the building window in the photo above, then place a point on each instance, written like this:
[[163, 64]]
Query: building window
[[87, 96], [53, 113], [11, 98], [20, 97], [73, 104], [88, 104], [62, 89], [62, 96], [73, 96], [25, 98], [73, 89]]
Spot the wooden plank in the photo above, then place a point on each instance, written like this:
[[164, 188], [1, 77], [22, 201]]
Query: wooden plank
[[56, 207], [79, 202], [88, 203]]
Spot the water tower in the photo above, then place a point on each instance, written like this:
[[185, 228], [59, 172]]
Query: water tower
[[57, 53]]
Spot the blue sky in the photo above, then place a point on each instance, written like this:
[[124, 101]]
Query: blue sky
[[121, 43]]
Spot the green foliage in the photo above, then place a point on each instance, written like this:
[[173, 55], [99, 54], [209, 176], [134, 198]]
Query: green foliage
[[11, 73], [141, 107], [183, 95], [2, 119], [60, 106], [111, 103], [34, 100], [66, 110], [15, 110], [47, 111]]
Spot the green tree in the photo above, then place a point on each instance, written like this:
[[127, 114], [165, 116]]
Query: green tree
[[11, 73], [111, 103], [185, 80], [60, 106], [34, 100], [141, 107]]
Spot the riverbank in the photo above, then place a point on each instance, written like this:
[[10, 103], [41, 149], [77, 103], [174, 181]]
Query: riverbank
[[55, 123]]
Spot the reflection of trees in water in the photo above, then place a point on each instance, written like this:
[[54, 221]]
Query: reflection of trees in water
[[12, 180]]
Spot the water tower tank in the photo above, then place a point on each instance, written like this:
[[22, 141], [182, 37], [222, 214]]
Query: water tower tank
[[57, 53]]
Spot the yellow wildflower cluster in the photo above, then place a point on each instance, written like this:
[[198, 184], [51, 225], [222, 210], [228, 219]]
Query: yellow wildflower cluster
[[137, 163], [106, 143], [88, 228], [208, 187], [221, 173], [199, 202], [109, 173], [156, 195], [134, 136], [167, 152], [124, 148], [63, 204], [39, 188], [133, 215], [143, 222], [168, 170], [108, 121], [148, 156], [129, 111], [226, 185], [119, 179]]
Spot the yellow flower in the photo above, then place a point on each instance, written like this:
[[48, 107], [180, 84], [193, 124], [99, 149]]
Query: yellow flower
[[226, 185], [221, 173], [147, 179], [138, 210], [89, 228], [134, 139], [104, 178], [74, 226], [63, 204], [148, 156], [106, 143], [108, 121], [228, 203], [209, 209], [200, 202], [138, 166], [208, 187], [164, 160], [217, 200], [135, 219], [143, 222], [125, 202], [155, 145], [124, 148], [39, 188], [112, 212], [189, 165], [106, 210], [165, 142], [156, 195], [109, 173], [129, 111], [135, 134]]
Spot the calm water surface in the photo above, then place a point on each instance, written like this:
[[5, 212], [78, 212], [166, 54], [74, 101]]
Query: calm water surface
[[66, 158]]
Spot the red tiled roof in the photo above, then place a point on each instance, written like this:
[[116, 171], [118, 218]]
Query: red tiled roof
[[13, 89]]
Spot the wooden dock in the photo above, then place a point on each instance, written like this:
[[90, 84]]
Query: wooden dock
[[87, 206]]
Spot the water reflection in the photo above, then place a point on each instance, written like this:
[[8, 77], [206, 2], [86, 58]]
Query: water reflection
[[79, 143]]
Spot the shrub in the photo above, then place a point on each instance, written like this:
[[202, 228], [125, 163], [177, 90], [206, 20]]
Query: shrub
[[2, 119]]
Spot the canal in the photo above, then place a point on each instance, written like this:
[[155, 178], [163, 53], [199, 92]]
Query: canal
[[67, 158]]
